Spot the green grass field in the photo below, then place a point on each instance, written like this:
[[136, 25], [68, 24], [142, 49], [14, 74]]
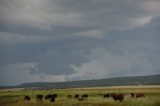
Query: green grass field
[[14, 97]]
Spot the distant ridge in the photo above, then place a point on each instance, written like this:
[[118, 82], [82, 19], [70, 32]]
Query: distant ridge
[[116, 81]]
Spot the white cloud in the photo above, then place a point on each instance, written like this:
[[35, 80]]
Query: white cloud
[[26, 13], [153, 7], [91, 33], [11, 38], [104, 63], [137, 22]]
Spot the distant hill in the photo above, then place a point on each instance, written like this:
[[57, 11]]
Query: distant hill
[[117, 81]]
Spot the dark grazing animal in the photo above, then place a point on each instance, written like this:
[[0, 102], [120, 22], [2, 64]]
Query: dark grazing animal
[[55, 95], [69, 96], [137, 95], [76, 96], [51, 96], [85, 96], [81, 99], [119, 97], [39, 97], [27, 98], [52, 99], [106, 95], [48, 96], [132, 95]]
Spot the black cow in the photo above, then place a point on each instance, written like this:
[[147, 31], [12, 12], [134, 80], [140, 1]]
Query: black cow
[[52, 99], [85, 96], [119, 97], [48, 96], [51, 96], [39, 97], [69, 96], [27, 98], [106, 95], [76, 96], [55, 95], [132, 95], [81, 99]]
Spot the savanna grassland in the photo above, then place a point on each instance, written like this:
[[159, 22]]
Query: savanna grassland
[[14, 97]]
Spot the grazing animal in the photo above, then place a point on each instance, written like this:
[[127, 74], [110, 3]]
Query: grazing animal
[[51, 96], [137, 95], [132, 95], [52, 99], [85, 96], [119, 97], [27, 98], [48, 96], [55, 95], [81, 99], [39, 97], [106, 95], [76, 96], [69, 96]]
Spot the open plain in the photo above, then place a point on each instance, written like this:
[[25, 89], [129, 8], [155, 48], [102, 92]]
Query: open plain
[[15, 97]]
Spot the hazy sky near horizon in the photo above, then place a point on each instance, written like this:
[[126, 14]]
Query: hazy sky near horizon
[[65, 40]]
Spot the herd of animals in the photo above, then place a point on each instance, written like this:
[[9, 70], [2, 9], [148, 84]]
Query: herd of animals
[[116, 96]]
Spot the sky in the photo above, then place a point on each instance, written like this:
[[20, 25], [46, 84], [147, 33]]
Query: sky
[[66, 40]]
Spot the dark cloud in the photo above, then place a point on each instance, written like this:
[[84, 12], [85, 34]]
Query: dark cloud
[[59, 40], [68, 17]]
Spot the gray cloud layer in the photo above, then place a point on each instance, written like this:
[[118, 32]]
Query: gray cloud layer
[[59, 40]]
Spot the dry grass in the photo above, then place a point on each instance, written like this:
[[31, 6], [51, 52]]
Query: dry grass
[[15, 97]]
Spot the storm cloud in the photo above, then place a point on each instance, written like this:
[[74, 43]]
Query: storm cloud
[[59, 40]]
